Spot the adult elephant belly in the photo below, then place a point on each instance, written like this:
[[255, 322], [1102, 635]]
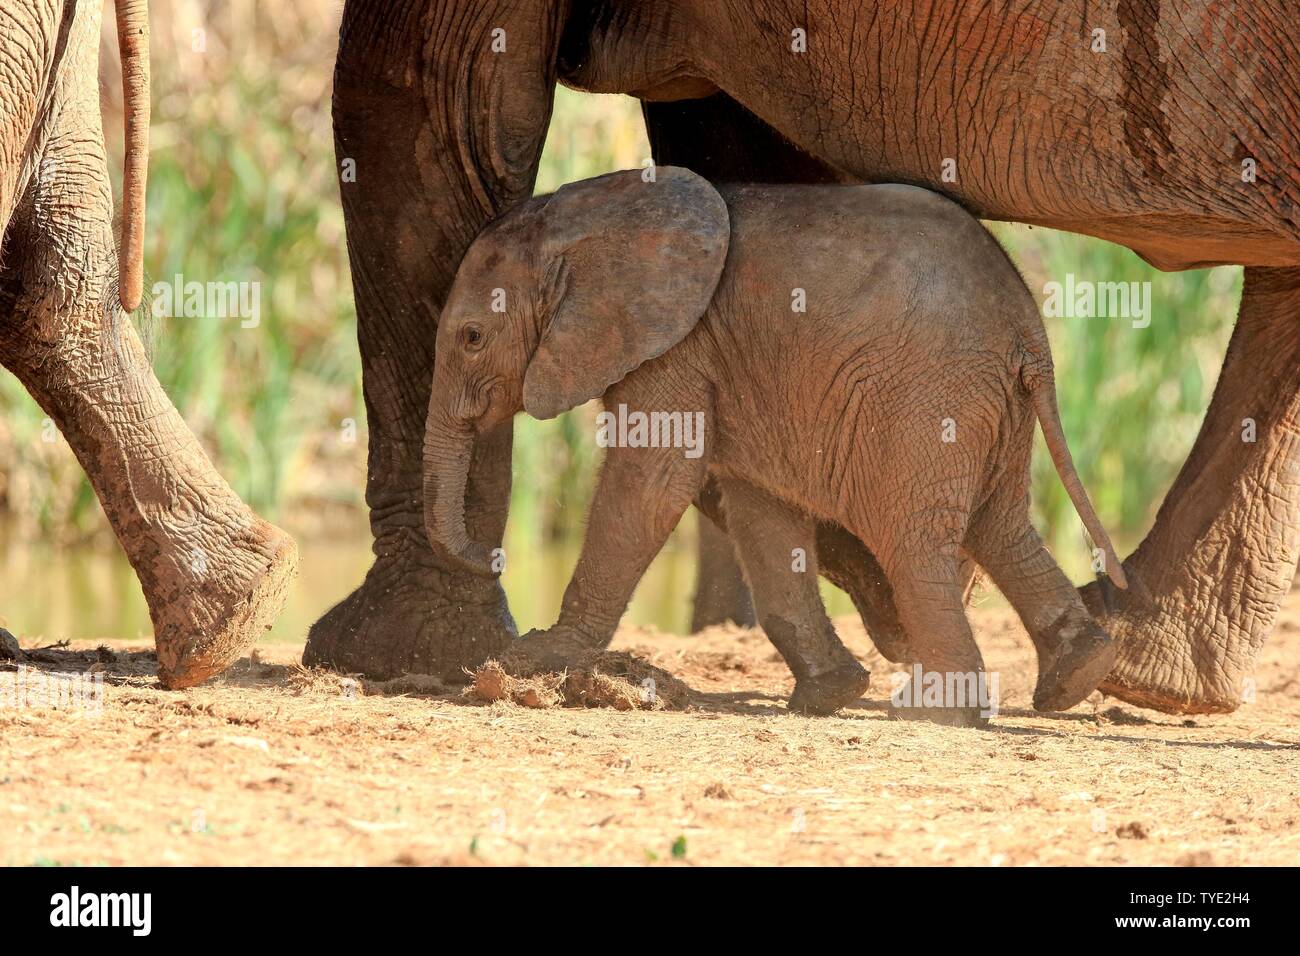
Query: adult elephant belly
[[1169, 127]]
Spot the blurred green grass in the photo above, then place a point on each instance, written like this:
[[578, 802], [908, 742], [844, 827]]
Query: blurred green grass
[[243, 187]]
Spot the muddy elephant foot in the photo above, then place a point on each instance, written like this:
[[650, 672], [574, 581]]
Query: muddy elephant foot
[[207, 619], [1167, 659], [409, 616], [1084, 656], [827, 693], [1209, 580]]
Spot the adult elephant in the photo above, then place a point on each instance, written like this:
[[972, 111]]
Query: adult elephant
[[213, 573], [1172, 131]]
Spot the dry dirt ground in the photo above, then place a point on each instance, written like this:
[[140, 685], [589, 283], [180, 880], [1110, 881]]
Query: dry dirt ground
[[274, 765]]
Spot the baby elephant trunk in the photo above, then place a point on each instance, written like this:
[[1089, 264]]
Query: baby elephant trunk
[[448, 455], [1042, 391]]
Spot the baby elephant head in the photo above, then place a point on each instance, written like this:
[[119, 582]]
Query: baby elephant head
[[553, 303]]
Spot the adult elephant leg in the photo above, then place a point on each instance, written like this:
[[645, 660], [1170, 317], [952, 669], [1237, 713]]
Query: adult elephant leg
[[440, 111], [722, 141], [214, 574], [1207, 583]]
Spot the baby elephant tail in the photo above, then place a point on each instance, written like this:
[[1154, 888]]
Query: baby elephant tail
[[1042, 391]]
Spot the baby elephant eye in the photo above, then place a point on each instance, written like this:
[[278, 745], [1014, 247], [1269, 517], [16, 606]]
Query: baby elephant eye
[[472, 336]]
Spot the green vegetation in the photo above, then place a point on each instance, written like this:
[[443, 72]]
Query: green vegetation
[[1131, 398], [243, 187]]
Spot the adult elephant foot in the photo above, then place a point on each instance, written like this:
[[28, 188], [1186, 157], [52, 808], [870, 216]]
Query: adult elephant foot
[[1207, 583], [410, 616], [414, 614], [440, 112], [234, 580], [214, 575]]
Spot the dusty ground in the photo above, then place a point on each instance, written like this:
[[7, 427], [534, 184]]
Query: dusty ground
[[273, 765]]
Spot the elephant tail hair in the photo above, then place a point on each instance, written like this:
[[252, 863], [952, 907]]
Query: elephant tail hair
[[1041, 383]]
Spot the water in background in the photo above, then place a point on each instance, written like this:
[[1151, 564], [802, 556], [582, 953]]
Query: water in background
[[90, 592]]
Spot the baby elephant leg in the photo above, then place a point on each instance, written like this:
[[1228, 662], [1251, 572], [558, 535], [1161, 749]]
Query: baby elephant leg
[[776, 547], [639, 498], [947, 683], [1074, 652], [849, 565]]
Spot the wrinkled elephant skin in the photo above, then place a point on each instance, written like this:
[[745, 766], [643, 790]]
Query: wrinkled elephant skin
[[1005, 107], [214, 575], [916, 322]]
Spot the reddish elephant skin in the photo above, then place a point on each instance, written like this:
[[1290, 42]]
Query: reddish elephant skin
[[1143, 145], [899, 404], [214, 574]]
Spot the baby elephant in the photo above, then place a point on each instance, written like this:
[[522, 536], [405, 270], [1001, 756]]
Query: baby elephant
[[865, 356]]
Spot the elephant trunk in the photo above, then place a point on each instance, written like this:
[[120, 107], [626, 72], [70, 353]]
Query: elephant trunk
[[448, 454], [133, 46]]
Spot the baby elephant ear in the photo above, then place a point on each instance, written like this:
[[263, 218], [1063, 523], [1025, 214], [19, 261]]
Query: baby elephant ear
[[627, 268]]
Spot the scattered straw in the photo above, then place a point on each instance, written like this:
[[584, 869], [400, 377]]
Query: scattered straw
[[614, 679]]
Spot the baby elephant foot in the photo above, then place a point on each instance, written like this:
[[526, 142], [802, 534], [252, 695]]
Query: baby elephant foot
[[554, 649], [947, 716], [1084, 656], [826, 693]]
